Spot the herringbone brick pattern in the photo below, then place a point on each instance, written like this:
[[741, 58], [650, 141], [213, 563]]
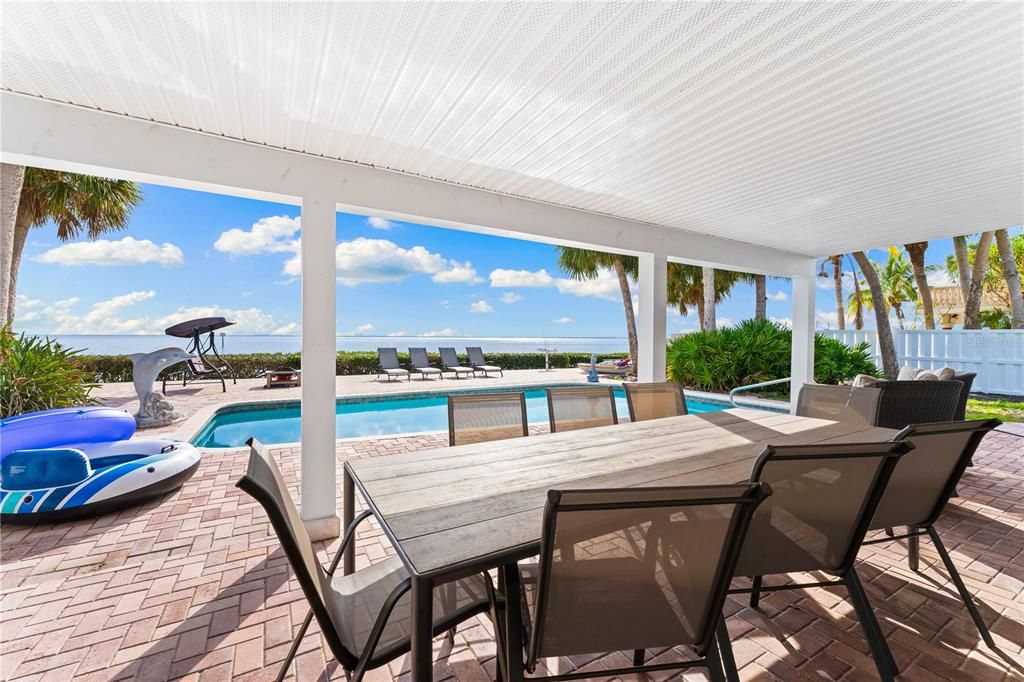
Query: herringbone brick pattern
[[195, 587]]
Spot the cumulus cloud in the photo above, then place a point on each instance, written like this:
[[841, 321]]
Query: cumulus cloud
[[778, 296], [826, 319], [605, 285], [290, 328], [562, 320], [109, 317], [273, 234], [447, 331], [510, 297], [481, 306], [397, 334], [25, 303], [458, 273], [940, 278], [379, 223], [361, 330], [521, 278], [126, 251], [784, 321]]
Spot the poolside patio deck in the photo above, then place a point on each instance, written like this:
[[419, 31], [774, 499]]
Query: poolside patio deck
[[195, 587]]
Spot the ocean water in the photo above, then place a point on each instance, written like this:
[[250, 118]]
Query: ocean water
[[103, 344]]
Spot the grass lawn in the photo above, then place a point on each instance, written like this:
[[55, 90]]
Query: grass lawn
[[986, 408]]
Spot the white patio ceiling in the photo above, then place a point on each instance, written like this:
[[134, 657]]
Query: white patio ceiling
[[810, 127]]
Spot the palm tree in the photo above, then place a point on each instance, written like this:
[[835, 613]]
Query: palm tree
[[916, 251], [837, 282], [1008, 261], [75, 203], [760, 297], [710, 298], [963, 265], [11, 178], [856, 298], [975, 286], [582, 264], [886, 344], [897, 280], [686, 287]]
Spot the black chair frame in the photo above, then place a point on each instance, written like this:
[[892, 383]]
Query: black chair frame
[[708, 653], [846, 574], [980, 429], [453, 398], [355, 665]]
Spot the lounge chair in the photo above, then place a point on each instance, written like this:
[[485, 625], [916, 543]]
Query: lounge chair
[[420, 363], [479, 363], [482, 417], [450, 363], [824, 496], [283, 376], [364, 616], [614, 368], [196, 368], [389, 365], [920, 487], [628, 570], [581, 407], [655, 400]]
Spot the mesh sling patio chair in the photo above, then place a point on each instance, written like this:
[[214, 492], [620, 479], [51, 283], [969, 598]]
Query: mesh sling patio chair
[[362, 616], [420, 363], [655, 401], [479, 363], [855, 405], [482, 417], [630, 569], [920, 488], [450, 362], [389, 364], [823, 499], [581, 407]]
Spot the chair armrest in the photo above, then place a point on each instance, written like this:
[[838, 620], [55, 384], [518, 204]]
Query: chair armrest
[[349, 534]]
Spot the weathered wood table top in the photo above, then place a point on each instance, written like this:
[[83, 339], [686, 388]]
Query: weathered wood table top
[[450, 507]]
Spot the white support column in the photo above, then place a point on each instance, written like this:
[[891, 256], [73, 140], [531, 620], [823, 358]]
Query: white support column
[[318, 500], [651, 325], [802, 361]]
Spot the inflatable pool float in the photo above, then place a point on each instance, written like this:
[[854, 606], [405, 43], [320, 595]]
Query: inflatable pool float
[[60, 465]]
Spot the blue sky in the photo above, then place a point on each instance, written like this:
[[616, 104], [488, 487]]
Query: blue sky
[[190, 254]]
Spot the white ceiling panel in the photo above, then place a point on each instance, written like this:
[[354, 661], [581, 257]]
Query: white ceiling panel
[[811, 127]]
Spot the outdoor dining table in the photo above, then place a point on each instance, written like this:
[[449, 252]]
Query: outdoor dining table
[[457, 511]]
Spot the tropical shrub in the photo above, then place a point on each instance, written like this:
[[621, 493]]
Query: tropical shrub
[[39, 374], [756, 351], [112, 368]]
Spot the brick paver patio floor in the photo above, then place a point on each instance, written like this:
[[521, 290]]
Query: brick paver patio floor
[[195, 587]]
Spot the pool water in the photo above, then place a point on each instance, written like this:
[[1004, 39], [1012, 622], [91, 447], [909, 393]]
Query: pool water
[[360, 418]]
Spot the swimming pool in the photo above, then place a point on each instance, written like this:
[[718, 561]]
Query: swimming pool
[[368, 416]]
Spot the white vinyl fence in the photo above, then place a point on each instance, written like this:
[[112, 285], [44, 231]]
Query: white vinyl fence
[[997, 356]]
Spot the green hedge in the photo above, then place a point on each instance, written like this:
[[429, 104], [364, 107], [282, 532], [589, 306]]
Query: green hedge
[[111, 368], [756, 351]]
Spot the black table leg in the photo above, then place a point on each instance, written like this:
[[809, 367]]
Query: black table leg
[[348, 513], [421, 663]]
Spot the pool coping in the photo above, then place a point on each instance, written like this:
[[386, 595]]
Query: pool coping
[[194, 424]]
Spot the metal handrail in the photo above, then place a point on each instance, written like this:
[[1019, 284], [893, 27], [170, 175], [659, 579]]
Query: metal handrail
[[773, 382]]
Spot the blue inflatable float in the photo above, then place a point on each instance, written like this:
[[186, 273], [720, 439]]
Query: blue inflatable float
[[59, 465]]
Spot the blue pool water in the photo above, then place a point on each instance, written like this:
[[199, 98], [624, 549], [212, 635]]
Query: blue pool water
[[360, 418]]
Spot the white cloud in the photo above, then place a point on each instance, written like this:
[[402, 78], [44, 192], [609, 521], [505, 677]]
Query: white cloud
[[126, 251], [778, 296], [273, 234], [245, 294], [290, 328], [445, 303], [379, 223], [105, 317], [940, 278], [397, 334], [447, 331], [29, 316], [24, 302], [562, 320], [510, 297], [604, 286], [521, 278], [829, 320], [721, 322], [481, 306], [784, 321], [458, 273], [361, 330]]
